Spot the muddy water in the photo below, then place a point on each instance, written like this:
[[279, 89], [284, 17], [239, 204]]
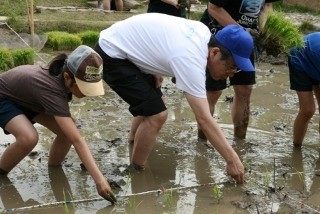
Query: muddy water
[[183, 175]]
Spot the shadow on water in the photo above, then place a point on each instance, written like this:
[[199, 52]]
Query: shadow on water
[[183, 174]]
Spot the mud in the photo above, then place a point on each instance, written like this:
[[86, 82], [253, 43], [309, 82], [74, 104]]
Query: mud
[[182, 172]]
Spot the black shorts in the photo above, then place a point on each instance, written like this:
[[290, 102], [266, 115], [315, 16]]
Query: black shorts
[[9, 110], [300, 80], [240, 78], [136, 88]]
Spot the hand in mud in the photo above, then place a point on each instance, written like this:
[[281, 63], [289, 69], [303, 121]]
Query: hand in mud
[[236, 170], [105, 192]]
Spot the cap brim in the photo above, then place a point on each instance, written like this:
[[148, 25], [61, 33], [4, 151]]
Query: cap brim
[[243, 63], [90, 89]]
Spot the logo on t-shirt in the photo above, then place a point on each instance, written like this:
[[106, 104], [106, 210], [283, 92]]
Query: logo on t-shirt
[[249, 11], [251, 7]]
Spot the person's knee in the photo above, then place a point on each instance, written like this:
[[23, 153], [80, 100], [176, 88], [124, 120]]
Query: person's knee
[[28, 141], [159, 119], [307, 112]]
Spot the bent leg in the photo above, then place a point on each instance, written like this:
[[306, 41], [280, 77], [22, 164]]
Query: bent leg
[[145, 137], [306, 111], [134, 126], [241, 110], [316, 91], [119, 5], [60, 146], [26, 139]]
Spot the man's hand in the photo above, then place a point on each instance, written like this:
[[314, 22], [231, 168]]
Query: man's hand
[[105, 192], [236, 170]]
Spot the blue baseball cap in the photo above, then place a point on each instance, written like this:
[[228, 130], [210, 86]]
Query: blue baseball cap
[[240, 43]]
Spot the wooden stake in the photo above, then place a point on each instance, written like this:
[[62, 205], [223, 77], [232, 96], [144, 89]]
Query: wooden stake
[[30, 20]]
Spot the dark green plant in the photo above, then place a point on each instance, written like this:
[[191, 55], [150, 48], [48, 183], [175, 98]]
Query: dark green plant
[[89, 37], [23, 56], [6, 60], [60, 40]]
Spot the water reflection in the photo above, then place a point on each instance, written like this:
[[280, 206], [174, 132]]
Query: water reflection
[[11, 197], [12, 200]]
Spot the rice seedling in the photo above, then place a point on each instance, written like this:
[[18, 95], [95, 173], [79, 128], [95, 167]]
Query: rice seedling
[[23, 56], [89, 37], [60, 40], [6, 60], [65, 205], [279, 35], [217, 194], [169, 197]]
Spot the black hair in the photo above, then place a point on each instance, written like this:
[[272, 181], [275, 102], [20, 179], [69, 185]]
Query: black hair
[[225, 53], [58, 65]]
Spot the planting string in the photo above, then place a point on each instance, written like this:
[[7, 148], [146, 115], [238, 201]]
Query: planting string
[[158, 191], [23, 40]]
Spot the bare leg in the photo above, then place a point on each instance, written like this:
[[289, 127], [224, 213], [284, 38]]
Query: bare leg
[[134, 126], [241, 110], [212, 97], [306, 111], [119, 5], [61, 146], [145, 137], [26, 139], [316, 91], [106, 4]]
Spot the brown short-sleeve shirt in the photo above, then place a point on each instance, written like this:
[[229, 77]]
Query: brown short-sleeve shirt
[[32, 87]]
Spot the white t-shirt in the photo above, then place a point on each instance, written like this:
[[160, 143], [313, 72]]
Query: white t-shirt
[[163, 45]]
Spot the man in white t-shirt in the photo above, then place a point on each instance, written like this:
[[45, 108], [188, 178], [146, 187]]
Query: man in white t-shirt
[[138, 51]]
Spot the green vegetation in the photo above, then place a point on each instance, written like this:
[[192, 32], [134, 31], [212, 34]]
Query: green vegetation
[[6, 60], [89, 37], [279, 35], [62, 40], [217, 192], [23, 56], [13, 58]]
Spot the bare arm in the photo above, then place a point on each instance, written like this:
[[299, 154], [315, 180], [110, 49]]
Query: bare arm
[[221, 15], [216, 137], [263, 15], [71, 132]]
